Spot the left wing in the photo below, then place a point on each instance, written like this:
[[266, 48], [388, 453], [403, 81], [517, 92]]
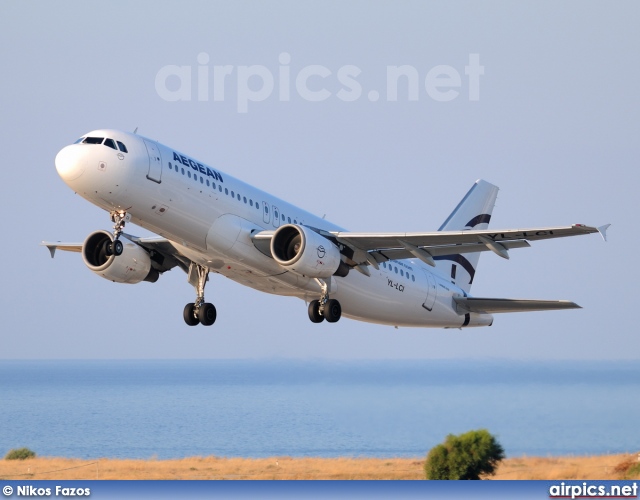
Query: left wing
[[163, 254]]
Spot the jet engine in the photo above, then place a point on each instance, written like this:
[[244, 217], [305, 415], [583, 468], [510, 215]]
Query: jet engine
[[303, 251], [132, 266]]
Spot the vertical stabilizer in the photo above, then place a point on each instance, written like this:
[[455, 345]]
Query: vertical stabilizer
[[473, 212]]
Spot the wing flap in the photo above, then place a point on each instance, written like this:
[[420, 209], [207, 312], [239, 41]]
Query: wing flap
[[163, 254], [403, 253], [493, 306]]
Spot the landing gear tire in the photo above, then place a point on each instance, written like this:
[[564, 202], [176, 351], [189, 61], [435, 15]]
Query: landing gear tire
[[207, 314], [332, 311], [189, 316], [107, 248], [314, 312], [117, 248], [113, 248]]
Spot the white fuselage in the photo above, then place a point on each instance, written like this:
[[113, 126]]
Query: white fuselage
[[209, 217]]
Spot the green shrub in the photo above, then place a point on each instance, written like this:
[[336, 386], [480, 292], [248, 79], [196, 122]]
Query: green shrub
[[466, 456], [20, 454], [633, 472]]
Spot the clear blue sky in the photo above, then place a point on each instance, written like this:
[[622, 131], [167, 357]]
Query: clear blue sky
[[555, 127]]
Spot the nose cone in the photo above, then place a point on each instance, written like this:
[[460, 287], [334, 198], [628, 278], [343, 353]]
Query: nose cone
[[70, 162]]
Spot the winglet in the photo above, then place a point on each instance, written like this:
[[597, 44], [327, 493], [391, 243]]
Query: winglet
[[52, 248], [603, 231]]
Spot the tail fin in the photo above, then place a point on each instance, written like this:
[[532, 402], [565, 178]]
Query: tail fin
[[473, 212]]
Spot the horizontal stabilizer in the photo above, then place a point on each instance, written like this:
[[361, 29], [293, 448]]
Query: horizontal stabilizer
[[492, 306]]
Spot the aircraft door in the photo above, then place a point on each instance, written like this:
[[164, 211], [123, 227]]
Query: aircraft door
[[432, 291], [265, 212], [155, 162], [276, 216]]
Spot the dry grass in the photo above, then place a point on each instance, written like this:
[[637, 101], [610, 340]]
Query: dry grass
[[598, 467]]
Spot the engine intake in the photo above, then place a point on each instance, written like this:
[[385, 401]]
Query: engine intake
[[133, 266], [303, 251]]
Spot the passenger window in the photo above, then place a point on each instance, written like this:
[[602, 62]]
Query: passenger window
[[183, 171], [202, 180], [110, 143], [213, 184], [282, 217], [413, 278], [122, 147], [233, 195], [395, 269], [169, 165], [245, 199], [238, 196], [219, 188], [289, 220], [189, 174], [93, 140], [266, 209], [250, 203], [207, 182], [226, 191], [295, 221]]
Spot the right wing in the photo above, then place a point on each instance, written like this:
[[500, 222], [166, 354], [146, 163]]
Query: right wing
[[374, 248], [386, 246]]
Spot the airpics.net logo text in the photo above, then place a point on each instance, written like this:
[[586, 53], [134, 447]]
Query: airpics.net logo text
[[313, 83]]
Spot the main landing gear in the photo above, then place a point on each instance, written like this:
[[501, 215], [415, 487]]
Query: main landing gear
[[115, 247], [199, 311], [325, 308]]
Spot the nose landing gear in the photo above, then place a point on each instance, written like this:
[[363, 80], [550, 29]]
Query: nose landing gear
[[199, 311], [119, 218], [325, 308]]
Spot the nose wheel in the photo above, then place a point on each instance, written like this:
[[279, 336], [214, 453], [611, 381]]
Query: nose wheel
[[199, 312], [325, 308], [116, 247]]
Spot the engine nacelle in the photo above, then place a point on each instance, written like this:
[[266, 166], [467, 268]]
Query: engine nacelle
[[133, 266], [305, 252]]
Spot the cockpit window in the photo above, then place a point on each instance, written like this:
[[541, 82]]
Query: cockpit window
[[93, 140], [122, 147], [110, 143], [79, 140]]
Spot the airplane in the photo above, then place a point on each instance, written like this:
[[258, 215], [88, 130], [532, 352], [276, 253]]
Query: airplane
[[209, 222]]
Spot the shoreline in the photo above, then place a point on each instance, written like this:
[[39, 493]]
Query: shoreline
[[605, 467]]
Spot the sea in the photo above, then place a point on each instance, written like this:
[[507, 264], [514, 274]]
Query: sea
[[320, 408]]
